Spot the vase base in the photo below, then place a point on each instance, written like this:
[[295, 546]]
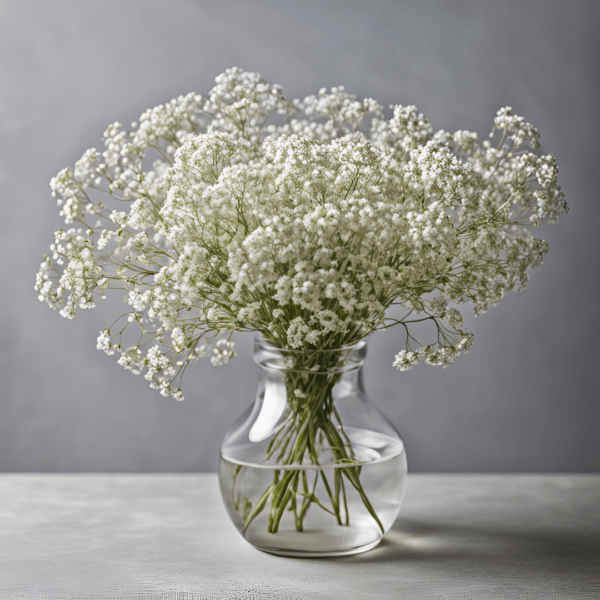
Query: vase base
[[318, 541], [317, 554]]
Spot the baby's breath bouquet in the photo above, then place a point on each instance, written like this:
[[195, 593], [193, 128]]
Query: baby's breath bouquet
[[304, 221]]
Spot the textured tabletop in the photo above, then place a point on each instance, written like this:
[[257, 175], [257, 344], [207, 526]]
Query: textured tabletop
[[168, 537]]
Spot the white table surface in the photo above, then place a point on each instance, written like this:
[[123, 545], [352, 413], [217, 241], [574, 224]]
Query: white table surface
[[168, 537]]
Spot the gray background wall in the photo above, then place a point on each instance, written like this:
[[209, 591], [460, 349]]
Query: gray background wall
[[525, 399]]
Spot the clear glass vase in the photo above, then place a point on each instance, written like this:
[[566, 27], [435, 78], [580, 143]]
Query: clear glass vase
[[312, 468]]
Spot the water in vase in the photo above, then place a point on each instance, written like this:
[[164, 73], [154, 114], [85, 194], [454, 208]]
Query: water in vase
[[322, 509]]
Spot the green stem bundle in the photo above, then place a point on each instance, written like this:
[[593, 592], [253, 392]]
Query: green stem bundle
[[312, 428]]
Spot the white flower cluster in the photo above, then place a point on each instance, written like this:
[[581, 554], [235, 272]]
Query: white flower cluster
[[330, 114], [222, 352], [406, 130], [303, 220], [79, 278]]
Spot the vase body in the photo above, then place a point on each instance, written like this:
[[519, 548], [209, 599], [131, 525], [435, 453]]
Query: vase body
[[312, 468]]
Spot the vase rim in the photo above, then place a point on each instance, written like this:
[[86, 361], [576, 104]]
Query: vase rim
[[259, 339]]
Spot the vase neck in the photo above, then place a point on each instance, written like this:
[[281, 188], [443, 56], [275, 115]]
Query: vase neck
[[309, 360]]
